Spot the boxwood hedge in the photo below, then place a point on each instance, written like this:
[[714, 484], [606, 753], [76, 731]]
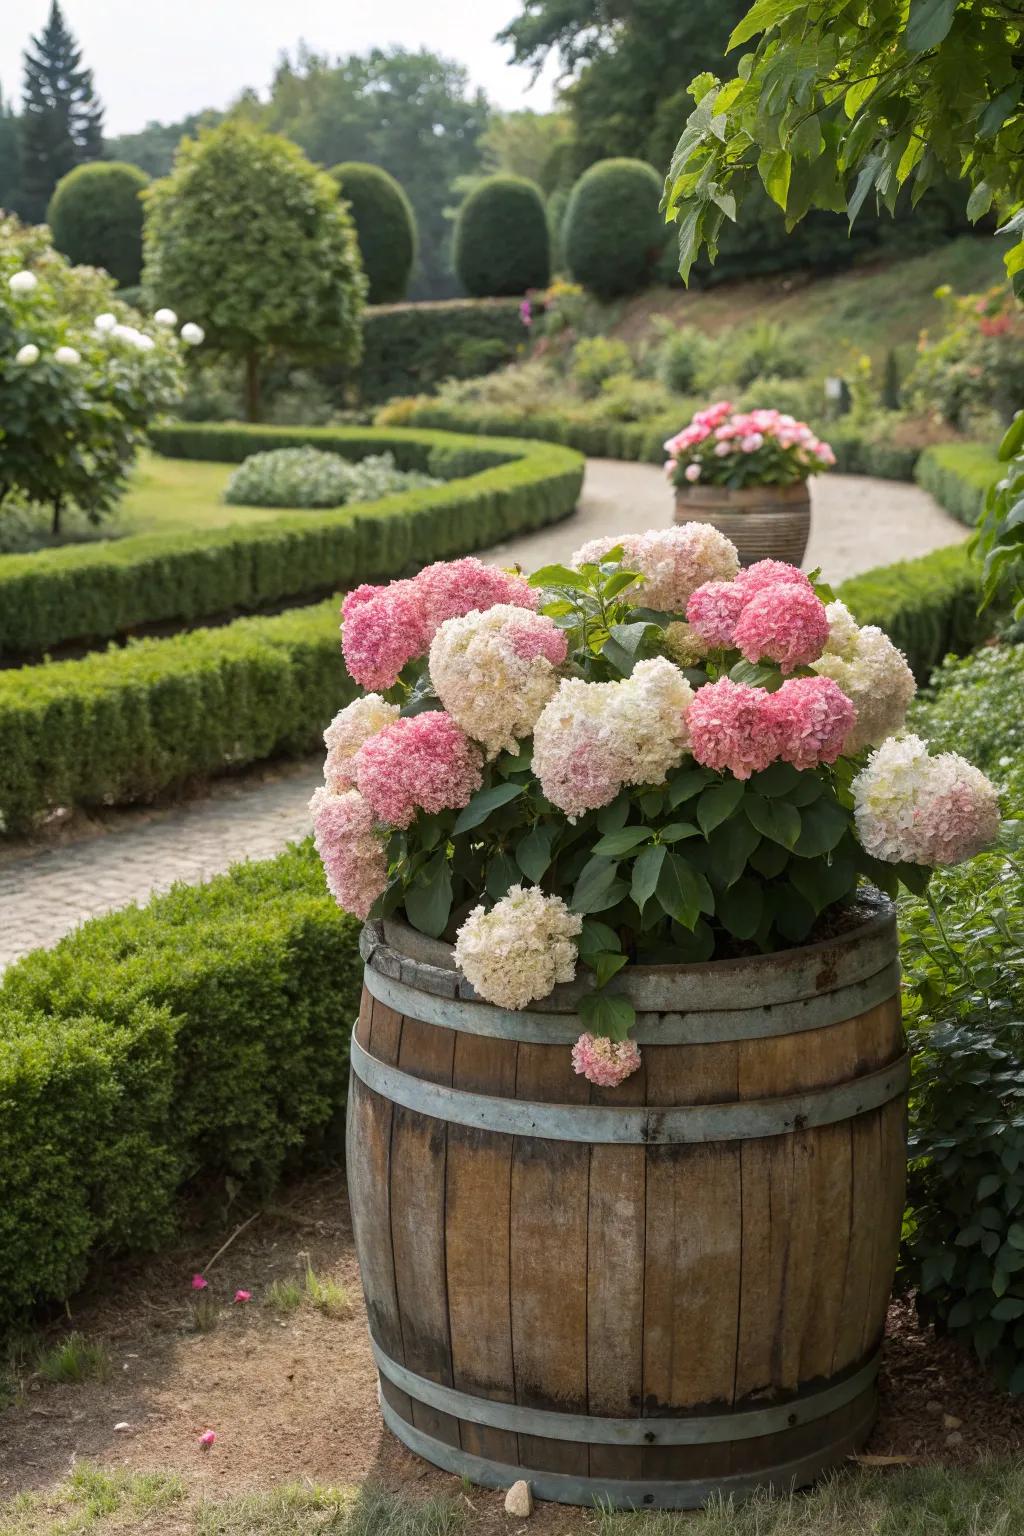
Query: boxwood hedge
[[93, 592], [154, 1050], [927, 606], [958, 475]]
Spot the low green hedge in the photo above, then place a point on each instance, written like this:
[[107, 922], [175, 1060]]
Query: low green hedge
[[121, 726], [203, 1036], [958, 475], [927, 606], [93, 592], [411, 348]]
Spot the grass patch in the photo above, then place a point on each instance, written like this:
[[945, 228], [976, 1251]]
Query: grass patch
[[92, 1500], [299, 1511], [986, 1500], [174, 495], [74, 1359], [285, 1296], [330, 1298]]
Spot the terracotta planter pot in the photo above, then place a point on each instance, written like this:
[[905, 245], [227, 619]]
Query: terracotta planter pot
[[765, 522], [645, 1294]]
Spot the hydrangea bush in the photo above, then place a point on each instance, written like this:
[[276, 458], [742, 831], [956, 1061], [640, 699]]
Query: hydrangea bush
[[309, 477], [82, 376], [737, 449], [646, 756]]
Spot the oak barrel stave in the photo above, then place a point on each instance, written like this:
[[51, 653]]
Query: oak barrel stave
[[658, 1284]]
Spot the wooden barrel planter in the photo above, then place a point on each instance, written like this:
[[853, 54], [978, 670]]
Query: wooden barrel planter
[[639, 1295], [768, 522]]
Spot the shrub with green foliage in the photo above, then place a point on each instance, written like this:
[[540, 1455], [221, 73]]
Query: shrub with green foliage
[[95, 218], [958, 475], [595, 360], [202, 1037], [92, 593], [613, 231], [385, 228], [680, 355], [309, 477], [411, 348], [502, 243]]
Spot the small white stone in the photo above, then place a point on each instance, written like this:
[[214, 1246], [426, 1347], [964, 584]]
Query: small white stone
[[950, 1421], [519, 1500], [122, 1427]]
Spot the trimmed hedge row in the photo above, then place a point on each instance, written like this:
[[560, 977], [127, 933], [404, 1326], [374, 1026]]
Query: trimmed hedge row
[[203, 1036], [123, 726], [928, 606], [958, 475], [856, 453], [409, 349], [99, 591]]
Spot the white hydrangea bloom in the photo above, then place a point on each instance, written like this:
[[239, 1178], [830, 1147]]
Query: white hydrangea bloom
[[494, 672], [673, 561], [68, 355], [923, 810], [23, 282], [144, 343], [346, 734], [105, 323], [876, 679], [192, 334], [521, 949], [29, 353], [166, 317], [593, 738], [843, 631]]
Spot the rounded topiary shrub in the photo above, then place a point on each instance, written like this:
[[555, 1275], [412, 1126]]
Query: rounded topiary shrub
[[385, 226], [502, 244], [614, 233], [95, 217]]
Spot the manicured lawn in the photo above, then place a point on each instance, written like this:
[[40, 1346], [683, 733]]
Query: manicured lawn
[[168, 495]]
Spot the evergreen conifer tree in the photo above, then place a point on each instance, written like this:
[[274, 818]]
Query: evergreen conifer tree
[[62, 121]]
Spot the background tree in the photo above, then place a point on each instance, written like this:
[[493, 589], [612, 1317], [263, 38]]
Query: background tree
[[839, 101], [527, 144], [62, 121], [153, 148], [253, 242], [385, 227], [10, 156], [95, 218], [413, 113], [502, 244]]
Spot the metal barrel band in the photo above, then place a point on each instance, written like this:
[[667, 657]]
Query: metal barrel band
[[577, 1428], [603, 1125], [690, 1028], [622, 1493]]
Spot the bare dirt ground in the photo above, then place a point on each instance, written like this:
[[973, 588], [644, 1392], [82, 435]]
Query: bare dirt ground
[[292, 1397]]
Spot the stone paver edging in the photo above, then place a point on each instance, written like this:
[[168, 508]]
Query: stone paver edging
[[858, 523]]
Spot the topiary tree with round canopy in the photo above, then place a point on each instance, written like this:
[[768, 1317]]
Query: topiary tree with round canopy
[[95, 218], [613, 232], [252, 241], [502, 243], [385, 227]]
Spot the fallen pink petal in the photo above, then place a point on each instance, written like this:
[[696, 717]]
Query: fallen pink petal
[[198, 1283], [243, 1295], [207, 1438]]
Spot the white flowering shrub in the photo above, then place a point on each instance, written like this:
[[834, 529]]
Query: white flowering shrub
[[81, 378], [309, 477]]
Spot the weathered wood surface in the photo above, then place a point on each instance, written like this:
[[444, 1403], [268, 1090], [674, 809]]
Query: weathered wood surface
[[630, 1282]]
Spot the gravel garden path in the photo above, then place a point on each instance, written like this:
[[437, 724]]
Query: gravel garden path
[[123, 857]]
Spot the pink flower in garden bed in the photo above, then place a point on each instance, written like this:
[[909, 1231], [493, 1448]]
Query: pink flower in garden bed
[[732, 728], [606, 1063], [785, 623], [350, 848], [714, 609], [422, 762], [812, 717]]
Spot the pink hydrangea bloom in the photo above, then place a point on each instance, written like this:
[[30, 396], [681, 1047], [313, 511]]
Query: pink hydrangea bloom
[[422, 762], [692, 473], [383, 629], [714, 609], [785, 623], [770, 573], [605, 1062], [540, 638], [731, 727], [960, 816], [450, 589], [350, 848], [813, 717]]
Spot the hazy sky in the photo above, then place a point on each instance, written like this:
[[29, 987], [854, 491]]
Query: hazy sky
[[165, 58]]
